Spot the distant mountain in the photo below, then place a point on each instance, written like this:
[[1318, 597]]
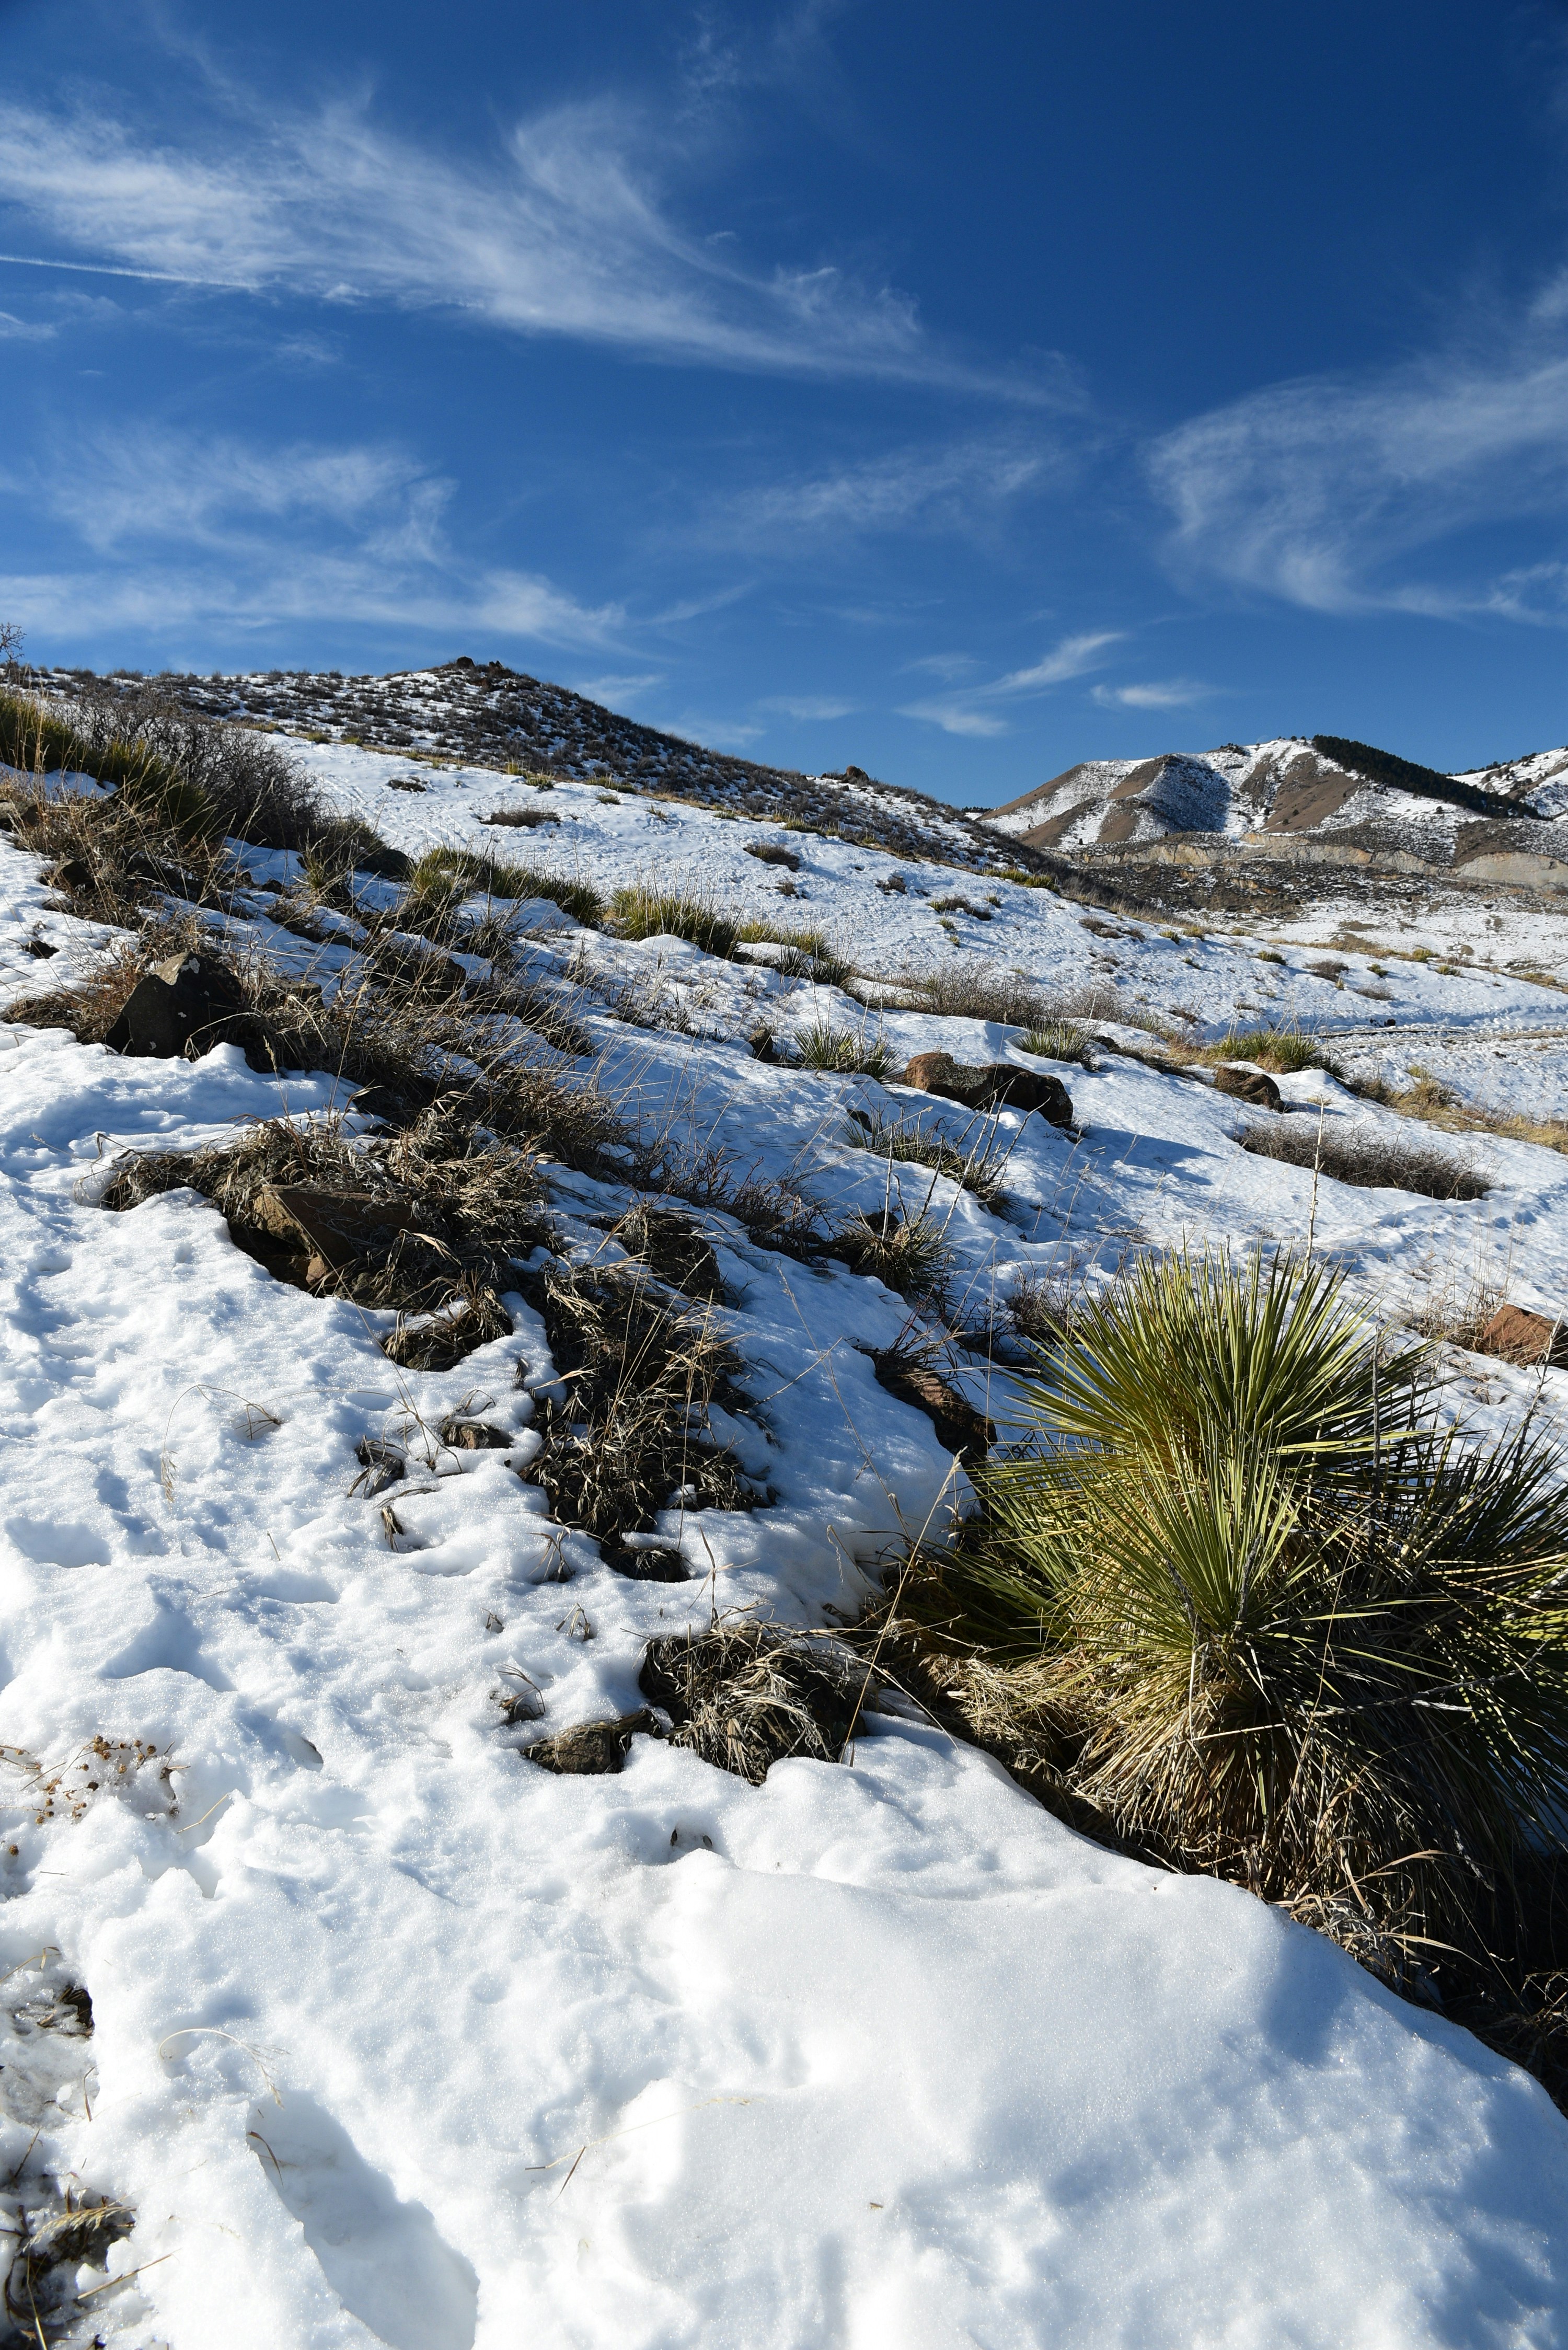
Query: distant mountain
[[1323, 784], [492, 716]]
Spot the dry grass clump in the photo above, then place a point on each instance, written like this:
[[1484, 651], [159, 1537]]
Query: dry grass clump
[[1435, 1104], [641, 912], [745, 1696], [117, 861], [431, 1222], [839, 1052], [1060, 1040], [981, 1169], [1283, 1050], [777, 1213], [956, 992], [1351, 1151], [1040, 1308], [59, 2232], [672, 1248], [1243, 1599], [389, 1032], [910, 1254], [640, 1375], [257, 790], [445, 877]]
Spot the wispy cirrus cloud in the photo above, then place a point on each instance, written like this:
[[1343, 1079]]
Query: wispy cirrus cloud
[[970, 709], [1354, 496], [180, 536], [962, 486], [565, 229], [808, 705]]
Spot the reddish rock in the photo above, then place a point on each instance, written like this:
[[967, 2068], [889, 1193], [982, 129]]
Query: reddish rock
[[1516, 1336], [985, 1084], [1247, 1085]]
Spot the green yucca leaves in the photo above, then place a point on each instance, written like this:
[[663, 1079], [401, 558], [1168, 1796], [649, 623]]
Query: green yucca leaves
[[1282, 1624]]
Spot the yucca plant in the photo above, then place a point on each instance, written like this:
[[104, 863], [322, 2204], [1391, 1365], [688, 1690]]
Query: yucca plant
[[1266, 1613]]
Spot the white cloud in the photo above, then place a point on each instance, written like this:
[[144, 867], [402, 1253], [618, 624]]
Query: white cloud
[[965, 711], [717, 733], [22, 330], [954, 717], [183, 532], [1333, 494], [566, 230], [1067, 660], [615, 692], [951, 488], [808, 705], [1157, 694]]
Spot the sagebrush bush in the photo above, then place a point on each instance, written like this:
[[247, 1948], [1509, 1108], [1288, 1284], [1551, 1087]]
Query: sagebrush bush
[[205, 778], [1263, 1612], [1353, 1151]]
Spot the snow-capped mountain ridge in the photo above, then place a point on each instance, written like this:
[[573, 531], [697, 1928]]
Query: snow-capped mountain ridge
[[1290, 783]]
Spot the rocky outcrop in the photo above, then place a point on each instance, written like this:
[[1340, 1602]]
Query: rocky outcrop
[[179, 1007], [989, 1084], [1247, 1084]]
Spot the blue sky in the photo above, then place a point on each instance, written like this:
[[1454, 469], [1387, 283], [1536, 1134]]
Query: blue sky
[[957, 390]]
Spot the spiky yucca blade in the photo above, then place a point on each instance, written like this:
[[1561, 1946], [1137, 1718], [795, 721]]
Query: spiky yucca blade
[[1282, 1622]]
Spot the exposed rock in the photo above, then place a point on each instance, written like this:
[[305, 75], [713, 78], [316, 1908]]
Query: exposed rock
[[959, 1426], [593, 1748], [399, 1103], [335, 1226], [185, 1002], [1516, 1336], [476, 1436], [985, 1084], [380, 1466], [640, 1566], [1247, 1085], [69, 874]]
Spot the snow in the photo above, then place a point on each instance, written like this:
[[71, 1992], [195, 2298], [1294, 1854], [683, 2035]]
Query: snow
[[398, 2039]]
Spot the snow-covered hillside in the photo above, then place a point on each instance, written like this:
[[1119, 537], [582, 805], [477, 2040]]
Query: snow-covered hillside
[[397, 2038]]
